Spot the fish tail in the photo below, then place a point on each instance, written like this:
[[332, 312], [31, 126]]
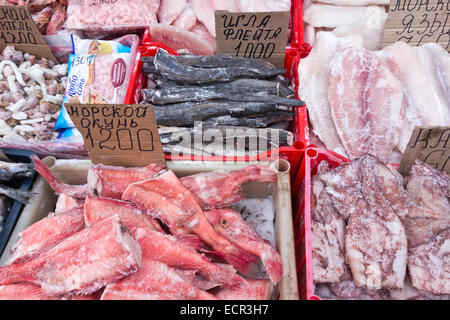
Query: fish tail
[[45, 172]]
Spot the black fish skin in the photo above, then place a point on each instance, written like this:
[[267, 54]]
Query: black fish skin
[[221, 61], [215, 92], [17, 194], [175, 71], [253, 122], [185, 114]]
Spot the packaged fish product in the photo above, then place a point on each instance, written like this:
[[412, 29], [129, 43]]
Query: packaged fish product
[[96, 15], [99, 72]]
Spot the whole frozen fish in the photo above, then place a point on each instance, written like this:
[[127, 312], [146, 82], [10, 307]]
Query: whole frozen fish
[[11, 170], [17, 194]]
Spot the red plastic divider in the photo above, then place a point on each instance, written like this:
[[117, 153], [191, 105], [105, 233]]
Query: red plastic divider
[[302, 218]]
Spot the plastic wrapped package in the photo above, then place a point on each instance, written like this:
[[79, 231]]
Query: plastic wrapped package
[[61, 46], [99, 15], [99, 72]]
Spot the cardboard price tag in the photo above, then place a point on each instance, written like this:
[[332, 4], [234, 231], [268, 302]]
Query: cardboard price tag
[[430, 145], [418, 22], [118, 135], [258, 35], [18, 29]]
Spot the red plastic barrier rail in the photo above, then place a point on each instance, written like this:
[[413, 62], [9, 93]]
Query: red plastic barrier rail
[[302, 218]]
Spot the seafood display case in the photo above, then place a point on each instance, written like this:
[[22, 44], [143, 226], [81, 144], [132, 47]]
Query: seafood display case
[[75, 172]]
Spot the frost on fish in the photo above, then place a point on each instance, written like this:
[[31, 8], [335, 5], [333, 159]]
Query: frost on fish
[[154, 281], [252, 290], [366, 103], [66, 203], [46, 233], [82, 263]]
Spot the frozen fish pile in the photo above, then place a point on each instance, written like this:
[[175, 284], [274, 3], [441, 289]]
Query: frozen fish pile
[[31, 93], [365, 18], [49, 15], [144, 234], [221, 92], [362, 101], [189, 25], [375, 235]]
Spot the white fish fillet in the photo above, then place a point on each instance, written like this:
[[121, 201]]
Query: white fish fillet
[[371, 29], [264, 5], [169, 10], [187, 19], [329, 16], [423, 106], [366, 103], [180, 39], [356, 3], [204, 9], [313, 85]]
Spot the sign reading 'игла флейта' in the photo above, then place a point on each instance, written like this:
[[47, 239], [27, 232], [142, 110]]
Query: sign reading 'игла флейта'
[[418, 22], [257, 35], [18, 29], [430, 145], [118, 135]]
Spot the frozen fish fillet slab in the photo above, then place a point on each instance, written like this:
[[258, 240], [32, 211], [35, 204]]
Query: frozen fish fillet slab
[[204, 9], [314, 85], [330, 16], [169, 10], [366, 103], [82, 263], [356, 3]]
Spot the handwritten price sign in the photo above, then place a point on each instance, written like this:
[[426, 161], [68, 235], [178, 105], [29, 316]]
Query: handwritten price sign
[[119, 135], [418, 22], [261, 35]]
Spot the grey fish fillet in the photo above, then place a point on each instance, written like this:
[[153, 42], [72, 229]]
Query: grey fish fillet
[[185, 114], [175, 71], [10, 170], [214, 92], [17, 194], [277, 87], [220, 61]]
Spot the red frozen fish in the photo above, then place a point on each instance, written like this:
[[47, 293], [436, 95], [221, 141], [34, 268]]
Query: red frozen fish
[[253, 290], [167, 199], [46, 233], [98, 209], [230, 224], [82, 263], [66, 203], [24, 291], [154, 281], [164, 248], [215, 189]]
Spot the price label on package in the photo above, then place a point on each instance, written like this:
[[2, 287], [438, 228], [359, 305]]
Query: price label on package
[[430, 145], [258, 35], [118, 135], [18, 29]]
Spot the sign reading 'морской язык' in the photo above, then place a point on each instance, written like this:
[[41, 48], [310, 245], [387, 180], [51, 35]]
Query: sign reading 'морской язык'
[[418, 22]]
